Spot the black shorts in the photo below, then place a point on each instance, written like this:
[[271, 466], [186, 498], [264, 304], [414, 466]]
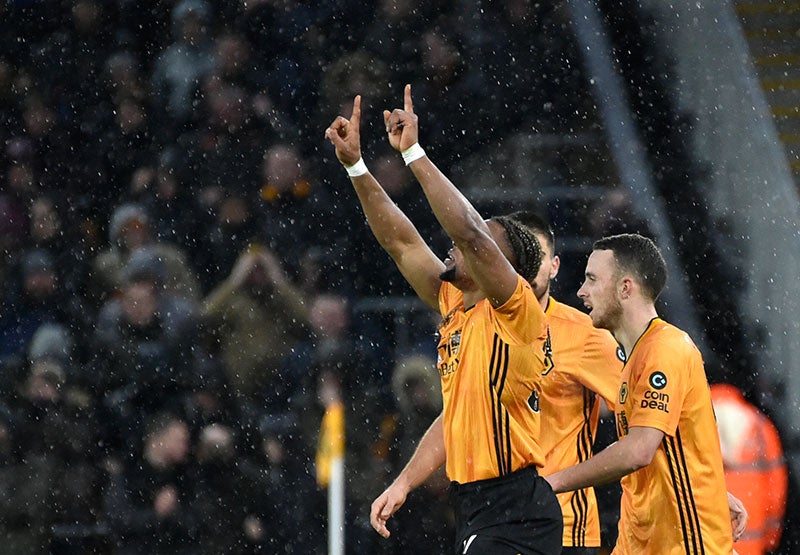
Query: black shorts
[[580, 551], [514, 514]]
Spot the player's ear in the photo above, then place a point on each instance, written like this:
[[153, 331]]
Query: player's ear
[[626, 286], [556, 264]]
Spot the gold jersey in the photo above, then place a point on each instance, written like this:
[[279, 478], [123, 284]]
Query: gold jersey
[[491, 362], [587, 362], [678, 503]]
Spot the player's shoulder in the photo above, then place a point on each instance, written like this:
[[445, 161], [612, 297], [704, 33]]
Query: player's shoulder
[[561, 314], [562, 311], [661, 330], [449, 297], [664, 336]]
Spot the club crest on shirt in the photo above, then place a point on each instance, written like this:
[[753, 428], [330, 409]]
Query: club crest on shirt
[[533, 401], [454, 344], [623, 393], [547, 350], [447, 355]]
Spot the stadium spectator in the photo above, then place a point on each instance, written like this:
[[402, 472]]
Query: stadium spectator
[[332, 382], [230, 224], [281, 470], [148, 500], [296, 208], [179, 70], [35, 297], [49, 230], [329, 334], [130, 230], [163, 189], [139, 362], [755, 470], [53, 462], [222, 493], [257, 315]]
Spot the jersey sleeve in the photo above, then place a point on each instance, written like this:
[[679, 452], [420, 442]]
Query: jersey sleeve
[[520, 319], [449, 298], [659, 389]]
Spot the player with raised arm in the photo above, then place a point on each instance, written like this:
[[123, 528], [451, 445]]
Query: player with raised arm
[[586, 368], [492, 354]]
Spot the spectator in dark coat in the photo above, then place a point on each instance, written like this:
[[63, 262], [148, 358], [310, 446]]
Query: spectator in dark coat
[[140, 360], [50, 475], [181, 67], [129, 230], [36, 298], [148, 499], [223, 494]]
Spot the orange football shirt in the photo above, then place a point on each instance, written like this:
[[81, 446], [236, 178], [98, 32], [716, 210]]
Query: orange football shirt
[[491, 362], [678, 503], [587, 363]]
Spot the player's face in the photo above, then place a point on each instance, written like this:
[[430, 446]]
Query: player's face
[[548, 269], [452, 263], [599, 291], [455, 269]]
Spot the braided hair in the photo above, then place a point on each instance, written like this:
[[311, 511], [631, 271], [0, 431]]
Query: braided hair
[[527, 253]]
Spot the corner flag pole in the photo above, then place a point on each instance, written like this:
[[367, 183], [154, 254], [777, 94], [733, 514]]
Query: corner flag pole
[[330, 473], [336, 506]]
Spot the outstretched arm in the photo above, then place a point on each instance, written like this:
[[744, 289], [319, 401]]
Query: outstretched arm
[[428, 457], [488, 266], [627, 455], [393, 230]]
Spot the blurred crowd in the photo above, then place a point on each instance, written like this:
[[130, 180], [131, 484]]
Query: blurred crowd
[[182, 260]]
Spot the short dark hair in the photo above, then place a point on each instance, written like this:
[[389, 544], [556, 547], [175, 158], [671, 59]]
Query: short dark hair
[[640, 256], [524, 247], [538, 224]]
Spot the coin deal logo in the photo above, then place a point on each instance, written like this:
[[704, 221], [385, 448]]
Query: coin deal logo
[[658, 380]]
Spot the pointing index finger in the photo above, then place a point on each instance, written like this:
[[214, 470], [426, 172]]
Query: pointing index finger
[[408, 106], [355, 118]]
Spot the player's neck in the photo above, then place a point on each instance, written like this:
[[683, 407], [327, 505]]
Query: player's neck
[[633, 323], [472, 296], [544, 300]]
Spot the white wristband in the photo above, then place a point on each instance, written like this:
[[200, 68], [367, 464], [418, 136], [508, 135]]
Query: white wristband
[[414, 152], [359, 168]]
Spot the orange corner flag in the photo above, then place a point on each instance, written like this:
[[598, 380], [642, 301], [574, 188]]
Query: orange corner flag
[[331, 442]]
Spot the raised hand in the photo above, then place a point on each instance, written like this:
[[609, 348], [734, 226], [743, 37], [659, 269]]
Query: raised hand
[[345, 135], [402, 127], [241, 270], [272, 266]]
